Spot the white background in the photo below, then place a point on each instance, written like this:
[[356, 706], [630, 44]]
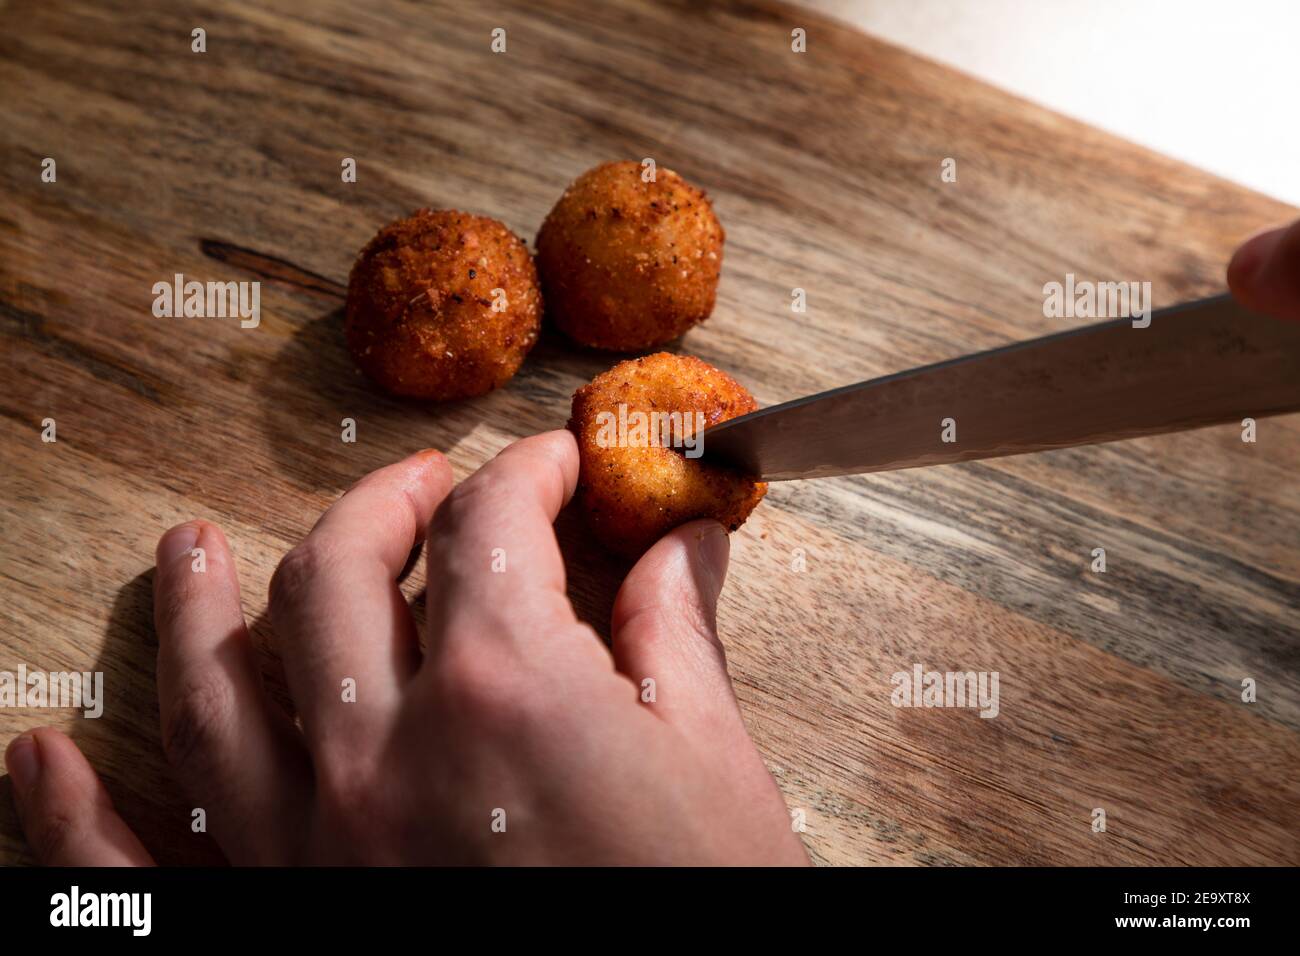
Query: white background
[[1216, 85]]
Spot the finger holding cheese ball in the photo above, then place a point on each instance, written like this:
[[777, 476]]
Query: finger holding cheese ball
[[442, 305], [634, 491], [628, 262]]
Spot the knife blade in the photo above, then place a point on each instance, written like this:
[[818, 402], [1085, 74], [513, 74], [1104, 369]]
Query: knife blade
[[1198, 363]]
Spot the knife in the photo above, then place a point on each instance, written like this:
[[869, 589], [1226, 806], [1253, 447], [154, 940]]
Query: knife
[[1199, 363]]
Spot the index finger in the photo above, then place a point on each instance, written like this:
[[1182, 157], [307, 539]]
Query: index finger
[[492, 555]]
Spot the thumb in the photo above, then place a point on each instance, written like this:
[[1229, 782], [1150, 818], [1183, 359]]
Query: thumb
[[664, 629], [1264, 274]]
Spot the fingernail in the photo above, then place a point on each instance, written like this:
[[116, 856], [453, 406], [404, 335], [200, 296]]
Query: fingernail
[[179, 540], [1250, 257], [715, 551], [23, 759], [428, 453]]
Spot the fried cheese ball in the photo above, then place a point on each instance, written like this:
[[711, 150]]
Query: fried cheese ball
[[442, 304], [628, 264], [635, 493]]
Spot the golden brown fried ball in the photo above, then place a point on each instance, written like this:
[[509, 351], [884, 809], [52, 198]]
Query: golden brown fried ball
[[442, 304], [628, 264], [634, 495]]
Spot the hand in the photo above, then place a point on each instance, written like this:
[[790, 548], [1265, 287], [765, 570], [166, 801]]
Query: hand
[[1264, 274], [514, 712]]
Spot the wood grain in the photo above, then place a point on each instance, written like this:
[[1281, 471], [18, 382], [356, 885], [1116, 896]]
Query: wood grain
[[1119, 690]]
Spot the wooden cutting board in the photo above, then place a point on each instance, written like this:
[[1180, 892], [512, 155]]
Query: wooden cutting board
[[1119, 690]]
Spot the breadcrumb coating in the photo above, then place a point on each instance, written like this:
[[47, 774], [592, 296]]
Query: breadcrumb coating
[[632, 496], [627, 264], [442, 305]]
